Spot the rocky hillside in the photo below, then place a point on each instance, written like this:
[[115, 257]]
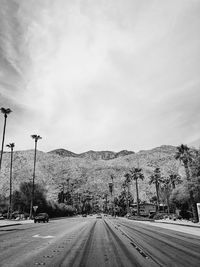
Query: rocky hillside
[[94, 155], [86, 173]]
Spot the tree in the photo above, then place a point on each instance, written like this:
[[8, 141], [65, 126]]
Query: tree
[[11, 146], [156, 179], [180, 198], [5, 111], [165, 188], [184, 154], [195, 176], [136, 173], [22, 197], [174, 179], [36, 138], [125, 198]]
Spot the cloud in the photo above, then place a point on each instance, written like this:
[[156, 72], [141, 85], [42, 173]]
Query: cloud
[[100, 74]]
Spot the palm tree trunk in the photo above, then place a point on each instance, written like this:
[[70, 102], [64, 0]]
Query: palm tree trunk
[[157, 194], [127, 198], [2, 145], [168, 211], [10, 204], [187, 171], [137, 194], [33, 184]]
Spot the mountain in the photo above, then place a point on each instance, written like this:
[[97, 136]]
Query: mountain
[[86, 171], [92, 155], [63, 152]]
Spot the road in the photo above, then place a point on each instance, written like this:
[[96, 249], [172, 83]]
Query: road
[[93, 242]]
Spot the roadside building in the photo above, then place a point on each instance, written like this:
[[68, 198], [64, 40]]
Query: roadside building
[[145, 208]]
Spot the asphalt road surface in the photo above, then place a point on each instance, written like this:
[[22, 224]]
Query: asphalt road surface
[[93, 242]]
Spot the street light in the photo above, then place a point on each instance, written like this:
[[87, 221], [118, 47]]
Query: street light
[[36, 138]]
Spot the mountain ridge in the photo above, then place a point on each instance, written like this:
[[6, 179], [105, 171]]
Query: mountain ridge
[[85, 173], [91, 154]]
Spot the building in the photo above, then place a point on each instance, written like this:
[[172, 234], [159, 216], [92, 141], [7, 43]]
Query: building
[[145, 208]]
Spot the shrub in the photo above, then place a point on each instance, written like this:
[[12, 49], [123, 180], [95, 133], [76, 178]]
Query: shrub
[[158, 216]]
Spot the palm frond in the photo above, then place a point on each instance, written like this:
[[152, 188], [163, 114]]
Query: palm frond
[[6, 110]]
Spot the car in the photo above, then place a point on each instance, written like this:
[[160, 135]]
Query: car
[[41, 217], [99, 216], [84, 215]]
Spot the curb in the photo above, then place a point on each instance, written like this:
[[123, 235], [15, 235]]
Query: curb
[[6, 225]]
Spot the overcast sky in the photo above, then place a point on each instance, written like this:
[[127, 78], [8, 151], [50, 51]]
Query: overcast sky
[[100, 74]]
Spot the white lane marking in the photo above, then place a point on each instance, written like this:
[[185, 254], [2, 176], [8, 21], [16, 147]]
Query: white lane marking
[[40, 236]]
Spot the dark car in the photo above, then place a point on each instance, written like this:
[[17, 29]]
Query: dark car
[[41, 217]]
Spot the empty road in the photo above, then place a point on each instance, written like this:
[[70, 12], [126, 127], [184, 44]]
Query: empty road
[[95, 242]]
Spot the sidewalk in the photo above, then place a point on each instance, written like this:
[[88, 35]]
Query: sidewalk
[[4, 223], [179, 222], [167, 221]]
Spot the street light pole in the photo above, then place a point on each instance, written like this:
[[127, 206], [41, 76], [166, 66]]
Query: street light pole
[[36, 138]]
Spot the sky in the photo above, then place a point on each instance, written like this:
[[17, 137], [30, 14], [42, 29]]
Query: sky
[[100, 74]]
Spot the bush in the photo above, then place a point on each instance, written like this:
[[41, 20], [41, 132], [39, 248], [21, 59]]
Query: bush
[[158, 216], [59, 209]]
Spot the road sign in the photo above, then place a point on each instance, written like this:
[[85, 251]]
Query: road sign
[[35, 208]]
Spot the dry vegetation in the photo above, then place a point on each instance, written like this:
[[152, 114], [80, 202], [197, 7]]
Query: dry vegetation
[[86, 173]]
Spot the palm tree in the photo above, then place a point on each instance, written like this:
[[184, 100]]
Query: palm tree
[[136, 173], [11, 146], [36, 138], [5, 111], [184, 155], [166, 190], [174, 179], [156, 179]]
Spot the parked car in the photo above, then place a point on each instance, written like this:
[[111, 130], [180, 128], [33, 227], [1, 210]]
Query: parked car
[[41, 217], [84, 215]]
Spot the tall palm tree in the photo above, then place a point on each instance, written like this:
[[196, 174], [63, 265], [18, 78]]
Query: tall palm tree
[[166, 190], [11, 146], [184, 155], [156, 179], [136, 173], [5, 111], [36, 138]]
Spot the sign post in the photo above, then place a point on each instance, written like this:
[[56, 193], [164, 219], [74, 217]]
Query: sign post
[[198, 210]]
